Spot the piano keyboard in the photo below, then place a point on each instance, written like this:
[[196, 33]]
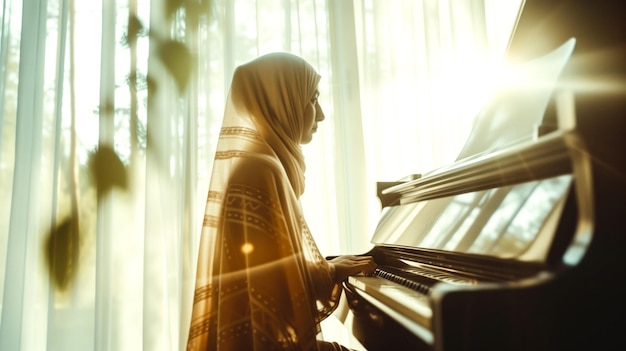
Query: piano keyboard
[[411, 284], [405, 301]]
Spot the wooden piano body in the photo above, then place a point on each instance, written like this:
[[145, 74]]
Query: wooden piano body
[[521, 243]]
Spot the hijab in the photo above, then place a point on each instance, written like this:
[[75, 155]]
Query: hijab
[[275, 89]]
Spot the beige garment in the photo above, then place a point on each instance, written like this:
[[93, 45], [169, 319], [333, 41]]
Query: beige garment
[[261, 281]]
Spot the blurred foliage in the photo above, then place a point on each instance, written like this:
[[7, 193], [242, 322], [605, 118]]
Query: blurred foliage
[[107, 108], [107, 170], [105, 166], [135, 30], [194, 10], [141, 81], [62, 249], [177, 60]]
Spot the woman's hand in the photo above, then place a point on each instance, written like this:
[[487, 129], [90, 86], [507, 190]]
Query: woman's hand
[[348, 265]]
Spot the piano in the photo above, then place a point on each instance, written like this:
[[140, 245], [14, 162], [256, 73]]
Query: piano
[[520, 244]]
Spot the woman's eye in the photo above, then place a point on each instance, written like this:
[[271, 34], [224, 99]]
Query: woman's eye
[[314, 98]]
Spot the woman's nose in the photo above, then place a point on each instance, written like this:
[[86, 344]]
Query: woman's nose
[[319, 114]]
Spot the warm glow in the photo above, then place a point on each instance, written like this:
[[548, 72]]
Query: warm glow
[[247, 248], [472, 85]]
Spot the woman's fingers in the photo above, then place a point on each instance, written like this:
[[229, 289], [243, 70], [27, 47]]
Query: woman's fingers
[[350, 265], [364, 264]]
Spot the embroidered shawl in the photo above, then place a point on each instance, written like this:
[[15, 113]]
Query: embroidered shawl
[[261, 282]]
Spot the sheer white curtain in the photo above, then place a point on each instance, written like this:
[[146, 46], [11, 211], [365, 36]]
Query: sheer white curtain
[[130, 93], [103, 163]]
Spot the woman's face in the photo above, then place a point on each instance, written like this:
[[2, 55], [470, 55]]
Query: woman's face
[[312, 115]]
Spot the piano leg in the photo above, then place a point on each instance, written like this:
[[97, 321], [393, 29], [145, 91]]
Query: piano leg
[[377, 330], [338, 328]]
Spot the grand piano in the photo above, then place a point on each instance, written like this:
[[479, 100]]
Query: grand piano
[[520, 244]]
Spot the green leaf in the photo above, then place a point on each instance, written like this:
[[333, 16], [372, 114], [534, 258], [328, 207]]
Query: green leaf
[[62, 251], [107, 169], [177, 60], [135, 29]]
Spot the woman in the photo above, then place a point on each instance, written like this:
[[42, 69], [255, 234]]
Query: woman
[[261, 281]]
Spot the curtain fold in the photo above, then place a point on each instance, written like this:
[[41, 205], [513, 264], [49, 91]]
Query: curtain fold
[[104, 311], [349, 159], [24, 206], [109, 117]]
